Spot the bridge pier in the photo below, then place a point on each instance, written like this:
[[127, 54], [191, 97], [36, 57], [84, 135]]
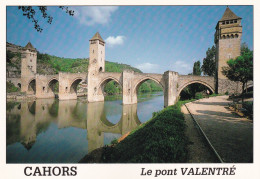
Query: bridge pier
[[128, 91], [42, 90], [170, 89]]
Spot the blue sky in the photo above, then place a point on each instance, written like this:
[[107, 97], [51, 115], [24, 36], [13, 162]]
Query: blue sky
[[152, 38]]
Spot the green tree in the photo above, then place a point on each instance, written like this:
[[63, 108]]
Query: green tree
[[209, 62], [244, 48], [196, 68], [240, 69], [144, 88]]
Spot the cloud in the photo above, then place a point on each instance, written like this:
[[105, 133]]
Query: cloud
[[148, 67], [112, 41], [90, 15], [182, 67]]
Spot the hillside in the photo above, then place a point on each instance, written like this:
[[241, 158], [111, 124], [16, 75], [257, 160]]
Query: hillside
[[50, 64]]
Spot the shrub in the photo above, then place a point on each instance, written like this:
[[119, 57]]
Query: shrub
[[198, 96], [11, 88], [249, 108]]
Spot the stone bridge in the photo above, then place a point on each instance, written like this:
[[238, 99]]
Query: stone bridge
[[96, 78], [42, 86], [171, 82]]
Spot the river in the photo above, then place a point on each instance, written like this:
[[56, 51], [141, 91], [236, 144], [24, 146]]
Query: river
[[53, 131]]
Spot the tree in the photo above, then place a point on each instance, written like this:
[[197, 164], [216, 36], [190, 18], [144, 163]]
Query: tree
[[240, 69], [244, 48], [209, 62], [196, 68], [29, 12]]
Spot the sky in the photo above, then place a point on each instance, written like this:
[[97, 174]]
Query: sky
[[152, 38]]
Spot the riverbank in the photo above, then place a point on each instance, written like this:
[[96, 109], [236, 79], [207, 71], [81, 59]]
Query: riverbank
[[162, 139]]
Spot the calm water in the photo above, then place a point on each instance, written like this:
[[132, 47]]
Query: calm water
[[52, 131]]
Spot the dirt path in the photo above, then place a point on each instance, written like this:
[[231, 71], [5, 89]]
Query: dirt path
[[199, 152], [231, 135]]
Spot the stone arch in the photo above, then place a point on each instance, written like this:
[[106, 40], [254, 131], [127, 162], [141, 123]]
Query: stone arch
[[138, 84], [31, 87], [192, 82], [51, 83], [102, 84], [74, 85]]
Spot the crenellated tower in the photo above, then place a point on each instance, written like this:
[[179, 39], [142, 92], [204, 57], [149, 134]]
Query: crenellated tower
[[227, 39]]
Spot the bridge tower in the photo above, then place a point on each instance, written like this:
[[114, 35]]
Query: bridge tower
[[96, 66], [227, 39], [28, 68]]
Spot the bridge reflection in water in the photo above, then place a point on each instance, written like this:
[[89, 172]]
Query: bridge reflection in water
[[29, 121]]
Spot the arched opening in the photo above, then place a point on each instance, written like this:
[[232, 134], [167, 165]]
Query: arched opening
[[100, 69], [32, 87], [79, 87], [149, 95], [195, 90], [148, 88], [53, 86], [19, 85], [111, 90]]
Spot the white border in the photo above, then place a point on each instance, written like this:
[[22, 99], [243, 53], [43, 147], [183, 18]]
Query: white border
[[126, 171]]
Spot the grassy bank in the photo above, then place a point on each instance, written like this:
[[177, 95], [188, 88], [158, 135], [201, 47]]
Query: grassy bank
[[159, 140]]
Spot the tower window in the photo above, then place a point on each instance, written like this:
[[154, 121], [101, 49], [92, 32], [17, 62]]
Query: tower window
[[93, 51], [223, 22], [235, 21], [227, 22], [43, 88], [100, 69], [31, 60]]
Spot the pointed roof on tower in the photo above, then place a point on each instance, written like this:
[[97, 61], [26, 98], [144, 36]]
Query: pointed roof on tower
[[229, 15], [97, 36], [29, 46]]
